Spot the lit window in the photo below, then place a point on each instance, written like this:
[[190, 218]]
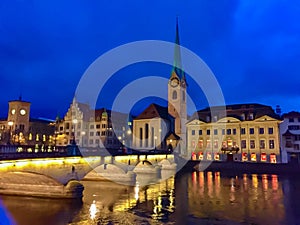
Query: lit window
[[44, 137], [30, 137], [263, 157], [273, 158], [253, 156], [37, 138]]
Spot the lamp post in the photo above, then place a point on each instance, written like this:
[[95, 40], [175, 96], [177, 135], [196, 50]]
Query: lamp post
[[155, 138], [74, 121], [82, 134], [10, 124]]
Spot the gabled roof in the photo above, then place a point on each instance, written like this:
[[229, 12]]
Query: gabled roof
[[154, 111]]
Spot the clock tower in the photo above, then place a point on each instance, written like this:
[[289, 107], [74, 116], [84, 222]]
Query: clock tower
[[18, 116], [177, 95]]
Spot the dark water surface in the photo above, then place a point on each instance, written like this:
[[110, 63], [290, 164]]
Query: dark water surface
[[190, 198]]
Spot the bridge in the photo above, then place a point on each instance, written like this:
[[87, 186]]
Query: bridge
[[59, 176]]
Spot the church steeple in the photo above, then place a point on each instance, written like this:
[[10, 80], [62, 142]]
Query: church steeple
[[177, 70]]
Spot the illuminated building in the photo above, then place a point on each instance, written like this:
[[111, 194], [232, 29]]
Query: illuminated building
[[247, 132], [290, 137], [164, 127], [20, 129], [93, 128]]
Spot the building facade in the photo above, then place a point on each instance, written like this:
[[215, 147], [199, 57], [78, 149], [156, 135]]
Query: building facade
[[290, 137], [246, 132], [19, 129], [89, 128]]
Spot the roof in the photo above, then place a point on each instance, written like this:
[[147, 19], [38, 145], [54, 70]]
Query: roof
[[237, 111], [292, 114], [154, 111]]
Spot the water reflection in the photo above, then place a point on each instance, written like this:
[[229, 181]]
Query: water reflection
[[192, 198]]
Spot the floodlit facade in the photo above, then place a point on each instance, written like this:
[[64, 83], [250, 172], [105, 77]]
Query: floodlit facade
[[93, 128], [246, 132], [290, 137], [20, 129]]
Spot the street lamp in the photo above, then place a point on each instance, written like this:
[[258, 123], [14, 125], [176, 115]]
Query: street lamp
[[74, 121], [82, 134], [10, 124], [155, 138]]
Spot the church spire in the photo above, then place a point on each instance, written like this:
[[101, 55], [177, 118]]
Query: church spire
[[177, 66]]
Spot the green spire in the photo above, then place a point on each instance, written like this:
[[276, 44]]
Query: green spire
[[177, 66]]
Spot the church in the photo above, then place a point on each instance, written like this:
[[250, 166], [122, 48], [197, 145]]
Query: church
[[164, 128]]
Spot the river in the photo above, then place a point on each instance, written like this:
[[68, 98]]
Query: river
[[188, 198]]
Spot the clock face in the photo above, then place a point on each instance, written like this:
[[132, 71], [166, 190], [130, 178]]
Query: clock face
[[174, 82], [13, 111], [22, 112]]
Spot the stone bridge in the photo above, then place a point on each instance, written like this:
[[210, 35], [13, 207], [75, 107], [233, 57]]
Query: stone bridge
[[59, 177]]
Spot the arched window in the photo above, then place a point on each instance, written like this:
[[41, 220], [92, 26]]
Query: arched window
[[183, 96], [174, 95]]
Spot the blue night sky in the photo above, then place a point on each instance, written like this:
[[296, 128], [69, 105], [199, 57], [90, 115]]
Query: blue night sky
[[252, 47]]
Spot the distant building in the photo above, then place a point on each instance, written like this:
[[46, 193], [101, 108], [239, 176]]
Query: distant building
[[20, 129], [290, 137], [159, 127], [93, 128], [246, 132]]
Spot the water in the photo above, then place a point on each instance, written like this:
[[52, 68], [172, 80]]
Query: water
[[190, 198]]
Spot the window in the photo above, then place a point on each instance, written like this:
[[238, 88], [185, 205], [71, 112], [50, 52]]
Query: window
[[183, 96], [193, 132], [215, 131], [91, 141], [294, 127], [91, 134], [208, 144], [97, 133], [92, 126], [234, 131], [251, 116], [291, 120], [243, 144], [67, 126], [103, 125], [262, 144], [216, 144], [271, 144], [270, 130], [97, 141], [22, 127], [98, 126], [207, 132], [200, 144], [200, 132], [102, 133], [79, 125], [243, 131], [251, 130], [61, 128], [228, 131], [174, 95], [261, 130], [252, 144]]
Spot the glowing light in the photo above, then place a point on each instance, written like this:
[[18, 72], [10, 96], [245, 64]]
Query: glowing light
[[93, 210], [136, 191]]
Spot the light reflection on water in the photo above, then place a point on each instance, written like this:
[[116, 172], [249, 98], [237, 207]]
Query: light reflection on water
[[193, 198]]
